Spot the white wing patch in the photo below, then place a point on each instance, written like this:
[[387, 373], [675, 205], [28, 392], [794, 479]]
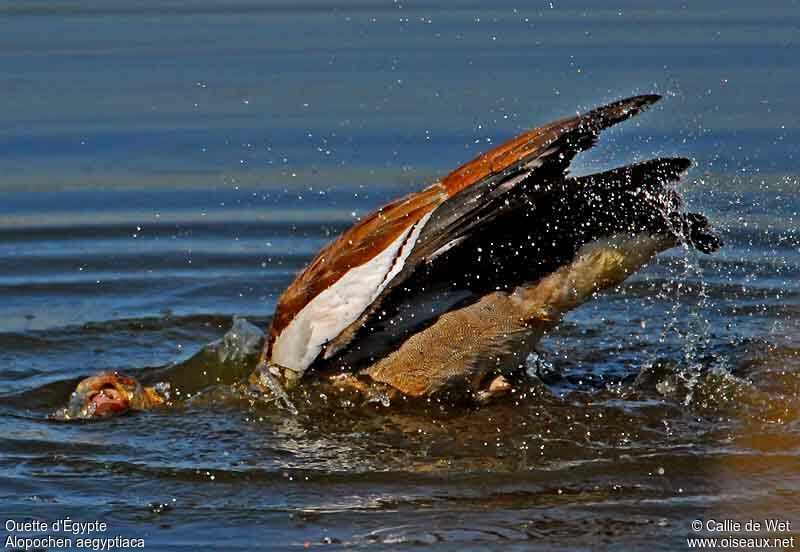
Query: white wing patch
[[330, 312]]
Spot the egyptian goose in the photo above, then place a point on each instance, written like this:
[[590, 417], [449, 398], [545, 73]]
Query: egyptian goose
[[450, 288]]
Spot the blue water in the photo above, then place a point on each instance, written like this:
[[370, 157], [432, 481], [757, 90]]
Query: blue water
[[167, 166]]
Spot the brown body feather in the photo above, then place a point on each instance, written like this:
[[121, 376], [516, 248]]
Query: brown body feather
[[494, 335]]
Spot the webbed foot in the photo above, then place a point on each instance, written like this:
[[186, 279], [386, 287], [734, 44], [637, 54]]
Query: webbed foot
[[499, 386]]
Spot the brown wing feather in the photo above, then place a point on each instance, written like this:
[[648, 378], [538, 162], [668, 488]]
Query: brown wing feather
[[531, 144]]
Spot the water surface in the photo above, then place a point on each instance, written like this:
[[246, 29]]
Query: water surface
[[168, 166]]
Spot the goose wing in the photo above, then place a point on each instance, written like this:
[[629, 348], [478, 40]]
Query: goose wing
[[347, 282]]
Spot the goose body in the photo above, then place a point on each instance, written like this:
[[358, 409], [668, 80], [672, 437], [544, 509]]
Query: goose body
[[441, 289]]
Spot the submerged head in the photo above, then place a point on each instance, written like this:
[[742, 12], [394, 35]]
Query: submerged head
[[110, 394]]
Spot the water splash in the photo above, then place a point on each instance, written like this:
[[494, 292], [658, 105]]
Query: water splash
[[693, 331]]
